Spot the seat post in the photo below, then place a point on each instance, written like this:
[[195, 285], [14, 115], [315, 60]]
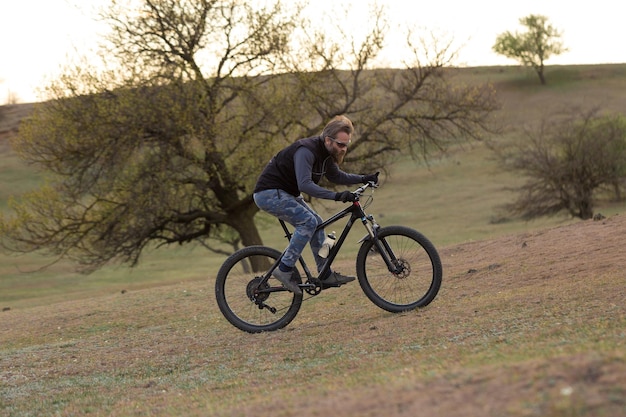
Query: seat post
[[284, 226]]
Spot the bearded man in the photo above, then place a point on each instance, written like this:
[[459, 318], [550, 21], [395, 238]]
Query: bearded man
[[297, 169]]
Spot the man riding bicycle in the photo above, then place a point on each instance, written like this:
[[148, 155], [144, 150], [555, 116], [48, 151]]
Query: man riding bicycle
[[297, 169]]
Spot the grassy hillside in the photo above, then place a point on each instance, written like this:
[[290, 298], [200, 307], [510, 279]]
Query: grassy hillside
[[529, 322], [453, 200]]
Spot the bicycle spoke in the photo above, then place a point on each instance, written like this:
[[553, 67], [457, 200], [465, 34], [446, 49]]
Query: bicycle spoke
[[242, 297], [416, 271]]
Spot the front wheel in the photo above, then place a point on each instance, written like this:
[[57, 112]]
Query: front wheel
[[415, 276], [245, 300]]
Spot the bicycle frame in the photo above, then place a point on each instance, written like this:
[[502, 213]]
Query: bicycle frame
[[351, 210], [396, 280], [355, 211]]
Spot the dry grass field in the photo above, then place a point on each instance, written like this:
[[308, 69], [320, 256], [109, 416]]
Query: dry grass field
[[530, 320], [525, 325]]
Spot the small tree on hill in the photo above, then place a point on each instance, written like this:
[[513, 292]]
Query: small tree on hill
[[531, 48], [567, 162]]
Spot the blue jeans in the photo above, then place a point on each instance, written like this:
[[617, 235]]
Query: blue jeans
[[295, 211]]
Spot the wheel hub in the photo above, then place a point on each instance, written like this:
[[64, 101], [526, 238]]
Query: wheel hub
[[253, 290], [403, 268]]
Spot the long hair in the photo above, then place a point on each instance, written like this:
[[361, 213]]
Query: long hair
[[338, 124]]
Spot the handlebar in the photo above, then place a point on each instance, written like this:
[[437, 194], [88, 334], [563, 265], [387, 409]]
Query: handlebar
[[359, 191]]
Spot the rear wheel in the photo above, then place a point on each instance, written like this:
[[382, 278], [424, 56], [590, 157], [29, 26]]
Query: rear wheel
[[247, 302], [417, 272]]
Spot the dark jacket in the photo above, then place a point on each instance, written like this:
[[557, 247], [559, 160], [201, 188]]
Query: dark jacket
[[280, 173]]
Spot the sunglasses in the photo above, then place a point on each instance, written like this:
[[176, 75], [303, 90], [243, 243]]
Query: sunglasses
[[342, 145]]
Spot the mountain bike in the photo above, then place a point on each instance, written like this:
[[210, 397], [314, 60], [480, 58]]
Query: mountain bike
[[397, 267]]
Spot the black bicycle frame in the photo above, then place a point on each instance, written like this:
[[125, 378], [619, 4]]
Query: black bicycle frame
[[356, 212]]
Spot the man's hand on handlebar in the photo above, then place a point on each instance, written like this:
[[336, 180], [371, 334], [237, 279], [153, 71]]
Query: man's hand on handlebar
[[370, 178], [345, 196]]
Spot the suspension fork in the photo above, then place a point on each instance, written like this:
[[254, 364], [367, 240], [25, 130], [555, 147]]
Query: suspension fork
[[381, 245]]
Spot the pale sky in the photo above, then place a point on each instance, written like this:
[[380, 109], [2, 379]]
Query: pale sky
[[38, 36]]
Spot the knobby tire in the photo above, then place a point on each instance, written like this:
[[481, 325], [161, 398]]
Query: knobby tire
[[235, 280], [418, 283]]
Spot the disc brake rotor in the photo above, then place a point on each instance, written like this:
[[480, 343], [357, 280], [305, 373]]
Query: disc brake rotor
[[403, 268]]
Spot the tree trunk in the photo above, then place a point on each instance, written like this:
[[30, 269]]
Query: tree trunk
[[585, 208], [542, 77], [249, 233], [243, 223]]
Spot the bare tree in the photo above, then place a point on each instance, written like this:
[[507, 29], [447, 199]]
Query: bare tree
[[166, 147], [566, 163]]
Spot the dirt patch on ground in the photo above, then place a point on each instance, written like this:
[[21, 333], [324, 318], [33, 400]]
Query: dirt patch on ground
[[543, 268], [525, 325], [550, 388]]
